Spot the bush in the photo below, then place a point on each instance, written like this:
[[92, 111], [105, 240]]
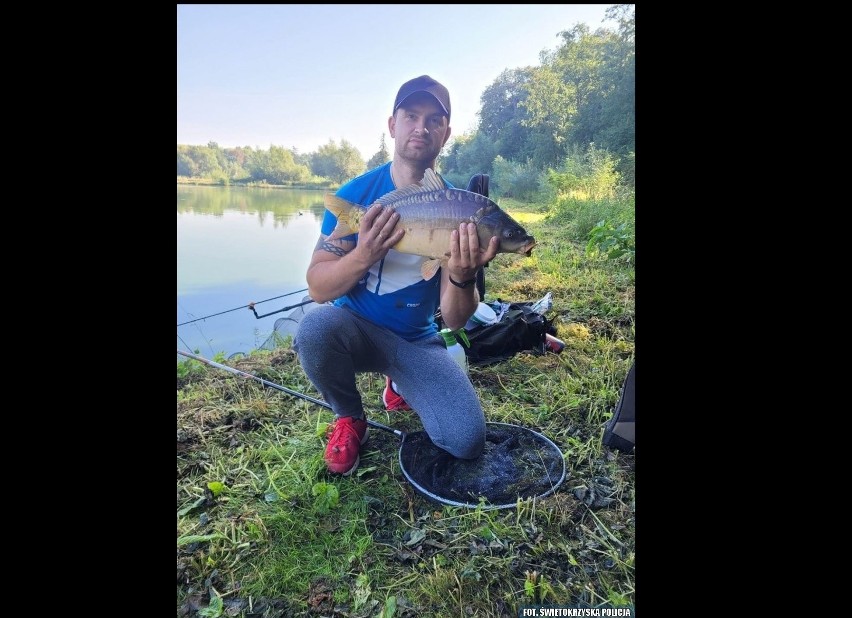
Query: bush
[[520, 181], [581, 216], [589, 202], [615, 242], [585, 176], [220, 178]]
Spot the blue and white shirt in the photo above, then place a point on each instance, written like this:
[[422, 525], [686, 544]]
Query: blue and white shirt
[[392, 293]]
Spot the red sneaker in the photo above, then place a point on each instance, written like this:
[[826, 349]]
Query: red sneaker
[[346, 435], [392, 399]]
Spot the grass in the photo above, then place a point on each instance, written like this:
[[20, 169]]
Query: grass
[[264, 530]]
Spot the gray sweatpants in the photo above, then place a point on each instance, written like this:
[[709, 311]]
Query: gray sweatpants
[[334, 343]]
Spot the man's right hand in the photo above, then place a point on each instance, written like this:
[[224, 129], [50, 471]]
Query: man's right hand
[[337, 265], [377, 233]]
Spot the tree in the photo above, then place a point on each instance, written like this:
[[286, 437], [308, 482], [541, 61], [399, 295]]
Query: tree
[[185, 165], [381, 157], [502, 113], [235, 160], [551, 106], [617, 131], [277, 167], [468, 155], [301, 159], [601, 71], [205, 160], [339, 163]]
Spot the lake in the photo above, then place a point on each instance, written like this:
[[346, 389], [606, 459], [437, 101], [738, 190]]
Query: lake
[[238, 245]]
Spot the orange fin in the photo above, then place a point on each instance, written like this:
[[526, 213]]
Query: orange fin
[[341, 229], [429, 267], [347, 213]]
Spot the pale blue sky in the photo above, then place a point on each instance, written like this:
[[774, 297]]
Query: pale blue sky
[[299, 75]]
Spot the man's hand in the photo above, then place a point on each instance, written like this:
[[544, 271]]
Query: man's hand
[[466, 257], [376, 235]]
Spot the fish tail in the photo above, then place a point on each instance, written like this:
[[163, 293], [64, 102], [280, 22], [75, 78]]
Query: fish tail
[[343, 209]]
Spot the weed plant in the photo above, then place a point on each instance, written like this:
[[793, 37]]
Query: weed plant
[[264, 530]]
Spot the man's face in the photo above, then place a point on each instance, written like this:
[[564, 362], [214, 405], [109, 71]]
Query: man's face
[[420, 128]]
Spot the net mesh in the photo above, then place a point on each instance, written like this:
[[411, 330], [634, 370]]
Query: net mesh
[[517, 463]]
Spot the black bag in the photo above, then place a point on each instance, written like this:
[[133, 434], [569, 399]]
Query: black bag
[[520, 328], [620, 431]]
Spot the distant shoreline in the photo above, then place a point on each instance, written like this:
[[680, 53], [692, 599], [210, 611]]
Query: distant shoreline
[[185, 180]]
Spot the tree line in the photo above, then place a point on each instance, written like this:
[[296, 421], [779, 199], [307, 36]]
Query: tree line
[[577, 106]]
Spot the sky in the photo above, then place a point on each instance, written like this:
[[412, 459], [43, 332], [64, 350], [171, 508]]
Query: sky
[[301, 75]]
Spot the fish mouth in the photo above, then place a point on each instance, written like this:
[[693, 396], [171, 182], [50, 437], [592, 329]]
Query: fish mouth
[[521, 249]]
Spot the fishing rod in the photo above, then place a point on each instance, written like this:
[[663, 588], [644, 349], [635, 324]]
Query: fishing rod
[[304, 302], [251, 306], [278, 387]]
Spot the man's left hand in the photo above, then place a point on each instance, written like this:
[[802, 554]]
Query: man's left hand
[[466, 257]]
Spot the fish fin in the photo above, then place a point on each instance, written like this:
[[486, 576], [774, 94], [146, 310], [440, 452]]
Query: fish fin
[[337, 205], [342, 209], [483, 211], [341, 229], [429, 267], [431, 182]]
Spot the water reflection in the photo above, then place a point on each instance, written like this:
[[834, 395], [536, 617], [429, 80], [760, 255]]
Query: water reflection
[[236, 246]]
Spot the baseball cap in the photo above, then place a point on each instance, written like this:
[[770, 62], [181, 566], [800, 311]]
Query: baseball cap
[[424, 83]]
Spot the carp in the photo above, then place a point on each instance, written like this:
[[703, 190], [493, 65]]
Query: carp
[[429, 212]]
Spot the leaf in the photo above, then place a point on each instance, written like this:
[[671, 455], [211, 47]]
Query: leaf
[[365, 470], [471, 572], [390, 608], [216, 487], [191, 507], [214, 609], [199, 538], [416, 536], [327, 496], [322, 430], [362, 591]]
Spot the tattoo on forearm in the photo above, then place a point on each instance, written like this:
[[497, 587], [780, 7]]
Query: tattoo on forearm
[[324, 245]]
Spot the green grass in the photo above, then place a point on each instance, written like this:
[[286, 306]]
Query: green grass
[[282, 537]]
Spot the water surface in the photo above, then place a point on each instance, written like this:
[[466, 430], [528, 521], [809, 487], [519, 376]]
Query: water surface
[[236, 246]]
